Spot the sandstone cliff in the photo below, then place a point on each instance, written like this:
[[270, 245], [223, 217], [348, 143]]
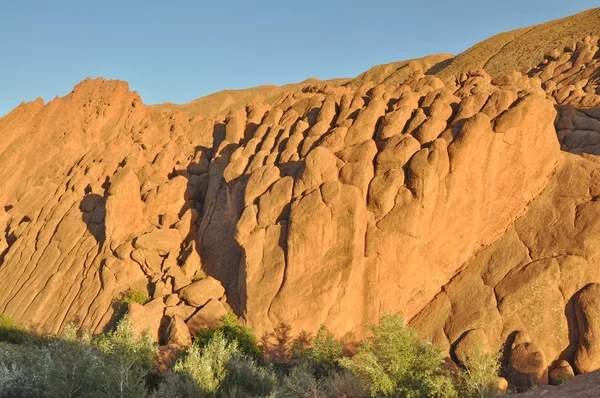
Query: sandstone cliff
[[466, 204]]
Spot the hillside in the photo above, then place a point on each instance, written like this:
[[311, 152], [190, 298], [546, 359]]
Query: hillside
[[222, 102], [525, 47], [468, 205], [503, 53]]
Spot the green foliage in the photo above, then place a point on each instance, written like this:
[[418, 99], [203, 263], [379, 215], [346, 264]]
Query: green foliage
[[302, 383], [344, 385], [135, 296], [395, 363], [246, 378], [6, 321], [225, 362], [199, 276], [130, 296], [322, 356], [217, 368], [232, 331], [560, 379], [202, 370], [10, 333], [131, 360], [116, 365], [479, 378]]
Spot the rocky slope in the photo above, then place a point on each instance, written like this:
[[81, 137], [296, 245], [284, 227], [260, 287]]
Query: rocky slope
[[517, 50], [466, 204]]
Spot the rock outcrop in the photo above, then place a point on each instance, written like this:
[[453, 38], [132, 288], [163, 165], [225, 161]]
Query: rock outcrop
[[450, 202]]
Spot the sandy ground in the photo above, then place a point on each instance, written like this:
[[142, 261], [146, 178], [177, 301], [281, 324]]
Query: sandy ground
[[582, 386]]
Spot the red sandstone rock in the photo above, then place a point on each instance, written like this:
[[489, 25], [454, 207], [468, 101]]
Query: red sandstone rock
[[147, 317], [200, 292], [449, 203], [207, 316]]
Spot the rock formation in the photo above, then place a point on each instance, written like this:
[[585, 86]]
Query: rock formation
[[469, 205]]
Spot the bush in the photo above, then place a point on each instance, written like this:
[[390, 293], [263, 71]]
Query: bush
[[199, 276], [10, 333], [245, 378], [135, 296], [6, 322], [232, 331], [322, 356], [302, 383], [344, 385], [121, 306], [202, 370], [220, 369], [130, 358], [479, 378], [116, 365], [223, 362], [394, 362]]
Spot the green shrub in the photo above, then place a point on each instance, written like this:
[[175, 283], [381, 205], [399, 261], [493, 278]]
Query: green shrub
[[199, 276], [344, 385], [131, 296], [302, 383], [232, 331], [6, 321], [560, 379], [10, 333], [135, 296], [479, 378], [202, 370], [245, 378], [395, 363], [322, 356], [130, 361], [116, 365]]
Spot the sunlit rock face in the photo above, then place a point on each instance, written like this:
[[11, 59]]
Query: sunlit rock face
[[467, 205]]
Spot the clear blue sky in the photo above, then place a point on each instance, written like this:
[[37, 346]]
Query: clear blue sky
[[177, 51]]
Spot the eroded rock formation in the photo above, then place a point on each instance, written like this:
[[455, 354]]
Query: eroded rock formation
[[449, 202]]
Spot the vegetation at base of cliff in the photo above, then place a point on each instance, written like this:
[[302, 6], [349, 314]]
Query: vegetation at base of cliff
[[232, 331], [117, 364], [479, 377], [226, 361], [395, 363]]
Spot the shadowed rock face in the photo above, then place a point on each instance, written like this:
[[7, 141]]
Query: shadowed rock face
[[449, 202]]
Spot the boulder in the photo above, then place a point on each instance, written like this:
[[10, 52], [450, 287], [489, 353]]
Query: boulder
[[124, 207], [181, 310], [560, 373], [527, 367], [161, 241], [587, 310], [200, 292], [147, 318], [208, 316], [172, 300], [472, 341], [177, 333]]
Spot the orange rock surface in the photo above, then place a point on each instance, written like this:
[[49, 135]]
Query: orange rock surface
[[468, 205]]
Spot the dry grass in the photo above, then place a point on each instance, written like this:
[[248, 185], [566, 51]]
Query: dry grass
[[524, 47], [397, 72], [222, 102]]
